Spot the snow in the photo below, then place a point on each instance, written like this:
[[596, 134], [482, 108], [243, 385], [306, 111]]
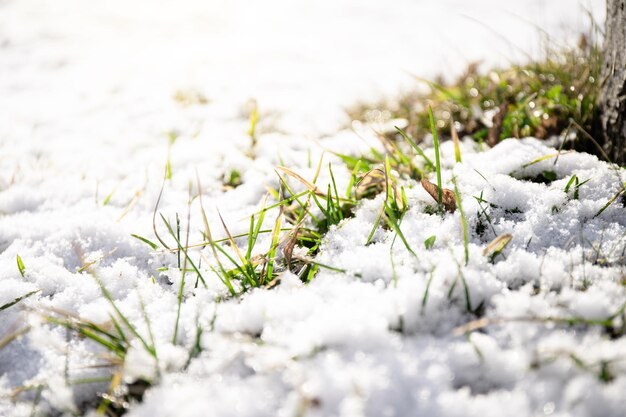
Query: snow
[[86, 111]]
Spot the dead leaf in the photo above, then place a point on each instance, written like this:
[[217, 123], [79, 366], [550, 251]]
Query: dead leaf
[[370, 184], [306, 183], [447, 196], [291, 244], [498, 244]]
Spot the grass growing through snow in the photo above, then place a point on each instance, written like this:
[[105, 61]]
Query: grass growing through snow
[[115, 338], [517, 102]]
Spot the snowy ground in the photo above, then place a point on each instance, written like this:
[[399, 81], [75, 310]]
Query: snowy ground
[[90, 92]]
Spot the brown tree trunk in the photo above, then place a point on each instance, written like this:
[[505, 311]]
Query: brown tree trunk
[[612, 103]]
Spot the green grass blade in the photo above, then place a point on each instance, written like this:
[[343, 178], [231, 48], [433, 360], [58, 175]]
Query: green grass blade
[[337, 202], [109, 196], [464, 226], [353, 177], [437, 161], [153, 245], [150, 349], [182, 249], [394, 223], [224, 277], [570, 183], [541, 158], [20, 265], [17, 300], [429, 164], [427, 290], [272, 252], [608, 203]]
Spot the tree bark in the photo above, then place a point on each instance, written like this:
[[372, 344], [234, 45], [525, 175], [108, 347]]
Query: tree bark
[[612, 103]]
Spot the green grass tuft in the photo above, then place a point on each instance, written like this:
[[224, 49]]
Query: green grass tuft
[[554, 95]]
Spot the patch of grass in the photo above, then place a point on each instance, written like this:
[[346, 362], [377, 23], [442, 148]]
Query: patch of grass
[[114, 337], [555, 95]]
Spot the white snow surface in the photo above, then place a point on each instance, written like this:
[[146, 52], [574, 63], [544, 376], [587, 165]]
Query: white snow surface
[[87, 103]]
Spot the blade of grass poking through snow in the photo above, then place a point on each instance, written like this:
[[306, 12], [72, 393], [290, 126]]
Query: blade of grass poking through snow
[[543, 158], [394, 223], [393, 212], [181, 288], [151, 349], [133, 201], [437, 161], [459, 204], [430, 280], [430, 242], [153, 245], [246, 264], [338, 204], [224, 276], [168, 169], [353, 177], [88, 330], [456, 141], [272, 252], [17, 300], [608, 203], [154, 213], [379, 217], [183, 250], [178, 238], [468, 300], [310, 185], [282, 202], [20, 265], [255, 230], [571, 182], [254, 119], [303, 206], [109, 196], [429, 164]]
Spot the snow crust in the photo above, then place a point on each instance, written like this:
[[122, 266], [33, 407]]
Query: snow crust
[[86, 109]]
